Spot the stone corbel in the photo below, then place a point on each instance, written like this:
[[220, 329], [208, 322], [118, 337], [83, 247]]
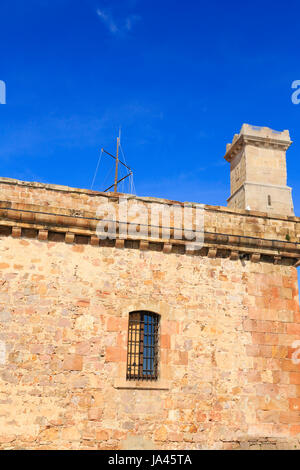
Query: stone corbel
[[234, 255], [16, 232], [94, 240], [120, 243], [212, 252], [43, 235], [70, 237], [255, 257], [144, 245], [167, 248]]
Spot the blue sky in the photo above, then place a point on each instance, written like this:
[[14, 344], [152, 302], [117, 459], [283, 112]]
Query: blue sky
[[180, 78]]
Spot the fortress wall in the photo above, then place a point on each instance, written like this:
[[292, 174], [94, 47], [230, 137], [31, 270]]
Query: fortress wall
[[226, 342], [227, 371]]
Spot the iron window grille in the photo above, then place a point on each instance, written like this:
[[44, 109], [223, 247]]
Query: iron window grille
[[142, 353]]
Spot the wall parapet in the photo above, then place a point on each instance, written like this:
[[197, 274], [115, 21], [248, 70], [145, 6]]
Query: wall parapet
[[72, 218]]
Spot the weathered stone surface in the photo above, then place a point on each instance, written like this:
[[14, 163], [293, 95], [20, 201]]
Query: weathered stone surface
[[228, 331], [225, 349]]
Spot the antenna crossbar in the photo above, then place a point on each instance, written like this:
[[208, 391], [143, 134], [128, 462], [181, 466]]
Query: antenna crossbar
[[116, 159], [129, 174]]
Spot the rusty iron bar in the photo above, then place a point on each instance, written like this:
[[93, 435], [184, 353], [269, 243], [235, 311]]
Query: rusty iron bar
[[120, 161], [129, 174]]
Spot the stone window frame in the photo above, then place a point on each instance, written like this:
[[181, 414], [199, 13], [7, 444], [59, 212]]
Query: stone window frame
[[162, 383]]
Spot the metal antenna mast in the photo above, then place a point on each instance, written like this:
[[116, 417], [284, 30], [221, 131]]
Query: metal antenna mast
[[117, 164], [115, 185]]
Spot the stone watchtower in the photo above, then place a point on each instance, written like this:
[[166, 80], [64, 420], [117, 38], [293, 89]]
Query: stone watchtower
[[258, 175]]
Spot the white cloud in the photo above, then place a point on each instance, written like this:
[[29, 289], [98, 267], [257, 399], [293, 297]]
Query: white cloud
[[122, 26], [108, 21]]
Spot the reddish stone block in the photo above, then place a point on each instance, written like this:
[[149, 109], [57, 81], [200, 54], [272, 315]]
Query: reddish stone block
[[117, 324], [262, 326], [253, 376], [297, 317], [249, 325], [257, 350], [295, 430], [102, 435], [294, 404], [95, 414], [115, 354], [72, 362], [252, 350], [258, 338], [289, 366], [293, 329], [169, 327], [165, 356], [165, 342], [183, 358], [279, 352], [290, 417], [271, 338], [264, 338]]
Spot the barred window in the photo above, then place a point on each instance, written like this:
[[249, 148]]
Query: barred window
[[142, 353]]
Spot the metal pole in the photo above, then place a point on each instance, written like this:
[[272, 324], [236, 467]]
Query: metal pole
[[117, 163]]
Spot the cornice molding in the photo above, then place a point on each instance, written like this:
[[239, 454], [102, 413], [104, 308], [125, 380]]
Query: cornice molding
[[73, 229], [257, 141]]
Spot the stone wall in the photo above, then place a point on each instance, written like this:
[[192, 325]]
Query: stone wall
[[81, 202], [227, 336]]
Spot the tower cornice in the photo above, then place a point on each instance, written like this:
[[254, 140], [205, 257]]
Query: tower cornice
[[257, 141]]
